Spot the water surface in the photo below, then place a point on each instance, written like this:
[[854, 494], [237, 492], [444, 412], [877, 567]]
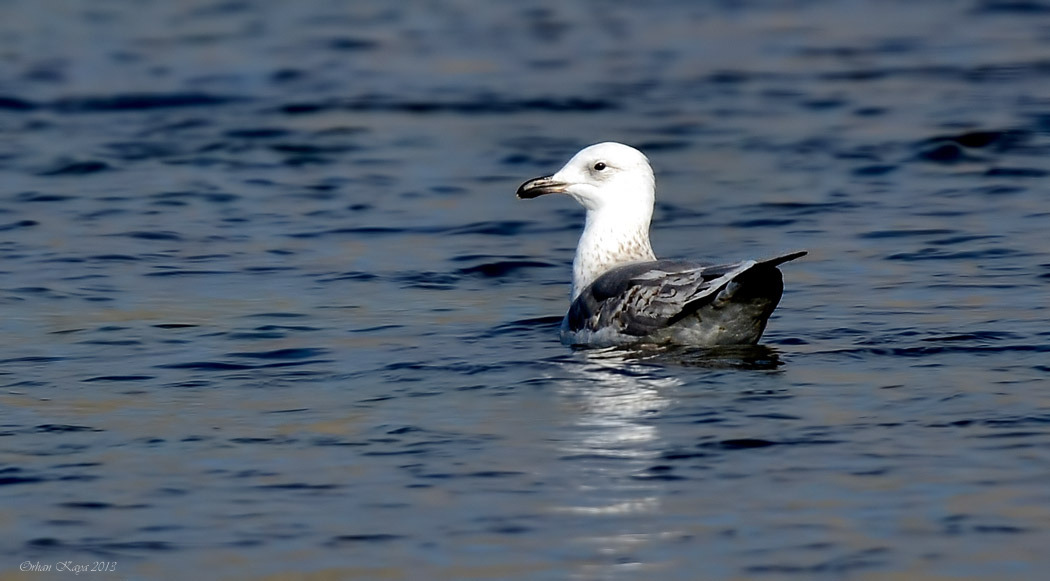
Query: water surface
[[271, 308]]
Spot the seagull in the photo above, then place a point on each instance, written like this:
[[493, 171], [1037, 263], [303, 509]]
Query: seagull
[[621, 293]]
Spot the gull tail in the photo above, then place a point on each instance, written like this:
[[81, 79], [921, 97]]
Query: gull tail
[[762, 282], [756, 288], [783, 258]]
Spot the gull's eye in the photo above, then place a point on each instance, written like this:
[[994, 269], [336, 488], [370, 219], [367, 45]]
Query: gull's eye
[[599, 166]]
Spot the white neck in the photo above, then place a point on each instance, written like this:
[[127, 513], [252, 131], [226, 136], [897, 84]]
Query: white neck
[[611, 237]]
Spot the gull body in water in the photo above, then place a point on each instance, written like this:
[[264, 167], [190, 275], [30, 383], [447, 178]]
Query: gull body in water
[[621, 293]]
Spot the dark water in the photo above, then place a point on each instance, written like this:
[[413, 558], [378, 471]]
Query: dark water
[[271, 309]]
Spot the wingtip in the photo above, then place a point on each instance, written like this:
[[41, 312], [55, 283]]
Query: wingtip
[[784, 258]]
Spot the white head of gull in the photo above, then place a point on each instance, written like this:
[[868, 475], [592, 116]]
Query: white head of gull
[[621, 293], [615, 184]]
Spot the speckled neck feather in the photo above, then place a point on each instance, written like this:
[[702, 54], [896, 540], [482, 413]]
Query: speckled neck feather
[[613, 236]]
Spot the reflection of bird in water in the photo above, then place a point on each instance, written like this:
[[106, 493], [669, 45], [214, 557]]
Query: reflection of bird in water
[[621, 293], [721, 357], [614, 396], [615, 450]]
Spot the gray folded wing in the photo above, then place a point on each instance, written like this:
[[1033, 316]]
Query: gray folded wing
[[642, 298]]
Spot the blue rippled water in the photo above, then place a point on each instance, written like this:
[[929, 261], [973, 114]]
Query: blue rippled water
[[271, 309]]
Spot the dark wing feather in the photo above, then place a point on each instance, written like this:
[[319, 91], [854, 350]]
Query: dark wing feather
[[641, 298]]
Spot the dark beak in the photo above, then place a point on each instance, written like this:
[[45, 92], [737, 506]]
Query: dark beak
[[540, 186]]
